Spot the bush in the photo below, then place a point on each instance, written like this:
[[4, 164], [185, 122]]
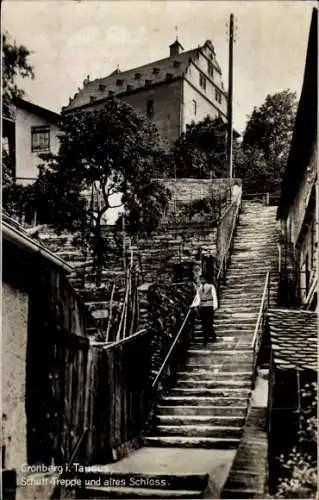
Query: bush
[[300, 464]]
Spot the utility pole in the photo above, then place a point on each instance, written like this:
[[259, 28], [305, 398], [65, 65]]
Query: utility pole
[[230, 99]]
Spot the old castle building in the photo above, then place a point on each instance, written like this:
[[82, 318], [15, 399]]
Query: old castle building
[[172, 92]]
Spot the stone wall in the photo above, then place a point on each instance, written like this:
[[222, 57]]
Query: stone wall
[[159, 254], [13, 375]]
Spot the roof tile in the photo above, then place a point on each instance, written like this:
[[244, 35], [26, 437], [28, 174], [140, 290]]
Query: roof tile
[[294, 340]]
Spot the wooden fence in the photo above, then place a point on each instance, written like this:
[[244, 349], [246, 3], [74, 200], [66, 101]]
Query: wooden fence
[[56, 395], [89, 403], [121, 397]]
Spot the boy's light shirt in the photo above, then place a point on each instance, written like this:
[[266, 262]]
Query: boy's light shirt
[[196, 301]]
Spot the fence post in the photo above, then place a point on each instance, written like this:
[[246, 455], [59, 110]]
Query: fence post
[[267, 199]]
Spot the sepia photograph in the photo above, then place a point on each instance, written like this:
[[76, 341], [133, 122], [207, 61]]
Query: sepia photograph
[[159, 335]]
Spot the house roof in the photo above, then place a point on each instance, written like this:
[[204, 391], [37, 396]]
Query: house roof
[[37, 110], [294, 341], [305, 131], [154, 73], [14, 233]]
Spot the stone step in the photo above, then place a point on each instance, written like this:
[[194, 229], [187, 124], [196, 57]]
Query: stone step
[[232, 344], [243, 277], [241, 342], [254, 270], [218, 392], [204, 400], [235, 337], [216, 375], [219, 355], [239, 353], [217, 420], [239, 493], [212, 383], [130, 493], [232, 308], [209, 409], [243, 319], [199, 430], [241, 288], [191, 442], [256, 295], [227, 366], [239, 299]]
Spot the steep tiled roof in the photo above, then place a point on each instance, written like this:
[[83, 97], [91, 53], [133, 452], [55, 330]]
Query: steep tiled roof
[[119, 82], [294, 338]]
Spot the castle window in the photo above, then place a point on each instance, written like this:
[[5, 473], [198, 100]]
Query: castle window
[[150, 108], [40, 139], [210, 68], [194, 103], [202, 81], [102, 87]]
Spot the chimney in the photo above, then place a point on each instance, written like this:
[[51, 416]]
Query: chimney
[[175, 48]]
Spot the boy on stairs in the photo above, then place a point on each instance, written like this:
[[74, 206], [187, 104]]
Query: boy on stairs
[[207, 302]]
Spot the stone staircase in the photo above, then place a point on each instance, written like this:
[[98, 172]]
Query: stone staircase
[[208, 405]]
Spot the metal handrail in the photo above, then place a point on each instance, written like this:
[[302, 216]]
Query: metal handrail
[[229, 241], [261, 308], [159, 373], [118, 343]]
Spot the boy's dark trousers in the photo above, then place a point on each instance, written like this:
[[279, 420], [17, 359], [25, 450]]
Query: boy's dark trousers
[[207, 319]]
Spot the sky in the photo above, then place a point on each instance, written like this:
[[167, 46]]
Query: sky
[[71, 39]]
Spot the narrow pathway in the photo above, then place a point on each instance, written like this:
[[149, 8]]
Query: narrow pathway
[[207, 407]]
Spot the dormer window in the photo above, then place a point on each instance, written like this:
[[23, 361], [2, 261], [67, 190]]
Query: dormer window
[[210, 68], [111, 93], [202, 81], [92, 98], [176, 64], [102, 87], [119, 82], [169, 76], [148, 82], [129, 87], [156, 71], [138, 76]]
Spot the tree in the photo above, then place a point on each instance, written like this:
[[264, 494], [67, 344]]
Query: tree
[[269, 131], [114, 151], [250, 165], [14, 64], [201, 152]]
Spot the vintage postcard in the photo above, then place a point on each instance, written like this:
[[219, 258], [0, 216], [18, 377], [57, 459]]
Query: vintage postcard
[[159, 249]]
